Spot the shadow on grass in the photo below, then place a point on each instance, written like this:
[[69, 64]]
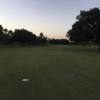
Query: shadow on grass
[[89, 50]]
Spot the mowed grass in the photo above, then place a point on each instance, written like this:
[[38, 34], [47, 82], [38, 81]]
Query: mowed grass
[[54, 73]]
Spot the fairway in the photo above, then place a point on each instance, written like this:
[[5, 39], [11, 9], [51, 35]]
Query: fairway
[[53, 73]]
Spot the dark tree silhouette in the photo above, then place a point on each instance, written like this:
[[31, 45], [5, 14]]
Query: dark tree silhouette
[[41, 35], [1, 29], [10, 36], [2, 37], [6, 36], [22, 36], [42, 39], [87, 27], [58, 41]]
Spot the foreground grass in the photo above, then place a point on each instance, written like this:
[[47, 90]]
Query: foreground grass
[[55, 73]]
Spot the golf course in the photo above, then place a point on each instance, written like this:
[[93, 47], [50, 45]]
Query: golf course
[[51, 73]]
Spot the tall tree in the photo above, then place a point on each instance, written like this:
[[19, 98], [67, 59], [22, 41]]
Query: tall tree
[[24, 36], [87, 27], [42, 39], [2, 38]]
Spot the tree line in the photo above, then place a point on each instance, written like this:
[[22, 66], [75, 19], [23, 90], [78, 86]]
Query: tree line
[[86, 29], [24, 37]]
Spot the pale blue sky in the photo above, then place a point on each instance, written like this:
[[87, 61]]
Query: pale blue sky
[[52, 17]]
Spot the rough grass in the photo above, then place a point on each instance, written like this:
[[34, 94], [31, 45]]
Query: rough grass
[[55, 73]]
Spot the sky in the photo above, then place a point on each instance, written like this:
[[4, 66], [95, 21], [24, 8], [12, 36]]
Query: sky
[[52, 17]]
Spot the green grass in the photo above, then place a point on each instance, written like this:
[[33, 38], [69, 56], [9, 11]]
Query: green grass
[[55, 73]]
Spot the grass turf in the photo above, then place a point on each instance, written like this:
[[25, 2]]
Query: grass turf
[[54, 73]]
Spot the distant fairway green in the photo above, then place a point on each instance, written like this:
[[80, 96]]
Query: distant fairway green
[[54, 73]]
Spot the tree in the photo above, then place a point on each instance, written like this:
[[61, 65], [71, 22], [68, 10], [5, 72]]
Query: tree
[[87, 27], [1, 29], [6, 36], [22, 36], [58, 41], [42, 39], [2, 38], [10, 36], [41, 35], [5, 31]]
